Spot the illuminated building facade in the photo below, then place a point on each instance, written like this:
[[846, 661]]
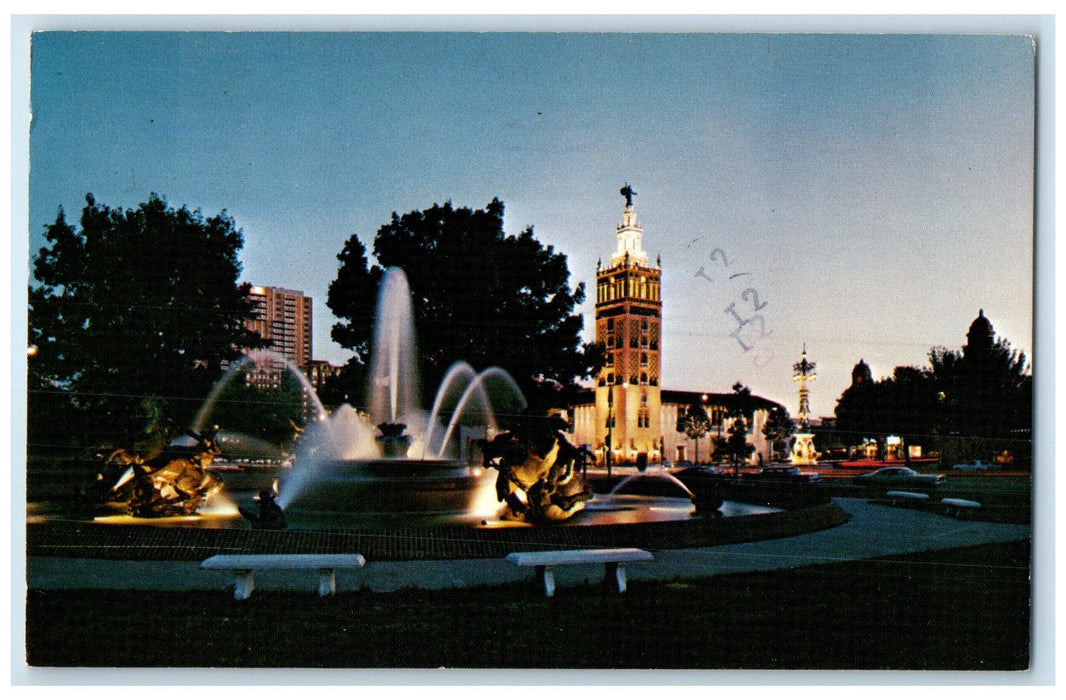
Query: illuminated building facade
[[283, 319], [627, 418], [629, 324], [320, 371]]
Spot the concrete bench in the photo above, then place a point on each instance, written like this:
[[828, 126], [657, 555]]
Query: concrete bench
[[243, 566], [902, 496], [612, 559], [958, 505]]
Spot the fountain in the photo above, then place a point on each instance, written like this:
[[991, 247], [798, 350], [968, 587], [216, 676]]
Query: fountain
[[397, 461], [397, 464], [659, 473]]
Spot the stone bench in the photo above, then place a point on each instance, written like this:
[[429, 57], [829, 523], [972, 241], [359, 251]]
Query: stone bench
[[243, 566], [903, 496], [612, 559], [958, 505]]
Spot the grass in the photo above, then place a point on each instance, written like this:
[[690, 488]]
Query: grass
[[960, 609]]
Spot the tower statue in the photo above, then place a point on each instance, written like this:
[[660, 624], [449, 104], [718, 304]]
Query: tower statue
[[628, 405], [803, 451]]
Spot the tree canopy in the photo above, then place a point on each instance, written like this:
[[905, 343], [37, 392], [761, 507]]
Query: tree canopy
[[478, 295], [736, 447], [694, 423], [132, 304], [968, 404], [903, 405], [778, 428]]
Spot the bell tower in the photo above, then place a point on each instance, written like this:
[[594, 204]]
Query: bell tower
[[629, 324]]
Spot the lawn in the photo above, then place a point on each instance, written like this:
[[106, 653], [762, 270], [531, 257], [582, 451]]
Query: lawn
[[961, 609]]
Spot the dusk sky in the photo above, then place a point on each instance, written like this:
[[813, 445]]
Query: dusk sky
[[876, 190]]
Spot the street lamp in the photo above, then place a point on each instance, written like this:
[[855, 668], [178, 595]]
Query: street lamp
[[610, 421]]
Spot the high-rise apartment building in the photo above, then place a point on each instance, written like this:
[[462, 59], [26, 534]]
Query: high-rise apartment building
[[283, 320]]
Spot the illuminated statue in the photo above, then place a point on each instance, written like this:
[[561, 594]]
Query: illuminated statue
[[171, 481], [539, 462]]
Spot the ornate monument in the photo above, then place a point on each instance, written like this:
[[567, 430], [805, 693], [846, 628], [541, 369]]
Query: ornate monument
[[803, 451]]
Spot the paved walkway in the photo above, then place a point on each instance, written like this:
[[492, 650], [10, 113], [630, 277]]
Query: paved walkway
[[874, 531]]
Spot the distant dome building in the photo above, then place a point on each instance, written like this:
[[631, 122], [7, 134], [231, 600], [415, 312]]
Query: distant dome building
[[980, 337], [861, 374]]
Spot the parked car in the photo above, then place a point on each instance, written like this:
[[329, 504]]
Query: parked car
[[899, 478], [783, 474], [701, 471], [974, 466]]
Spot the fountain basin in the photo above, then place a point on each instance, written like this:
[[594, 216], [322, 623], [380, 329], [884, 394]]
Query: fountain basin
[[397, 486]]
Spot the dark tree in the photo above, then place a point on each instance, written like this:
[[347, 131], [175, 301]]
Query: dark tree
[[136, 303], [984, 395], [268, 414], [346, 387], [859, 415], [478, 295], [353, 296], [741, 411], [973, 403], [736, 447], [909, 407], [694, 423], [778, 428]]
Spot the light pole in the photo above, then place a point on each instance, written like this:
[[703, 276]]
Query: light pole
[[703, 404], [610, 424]]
